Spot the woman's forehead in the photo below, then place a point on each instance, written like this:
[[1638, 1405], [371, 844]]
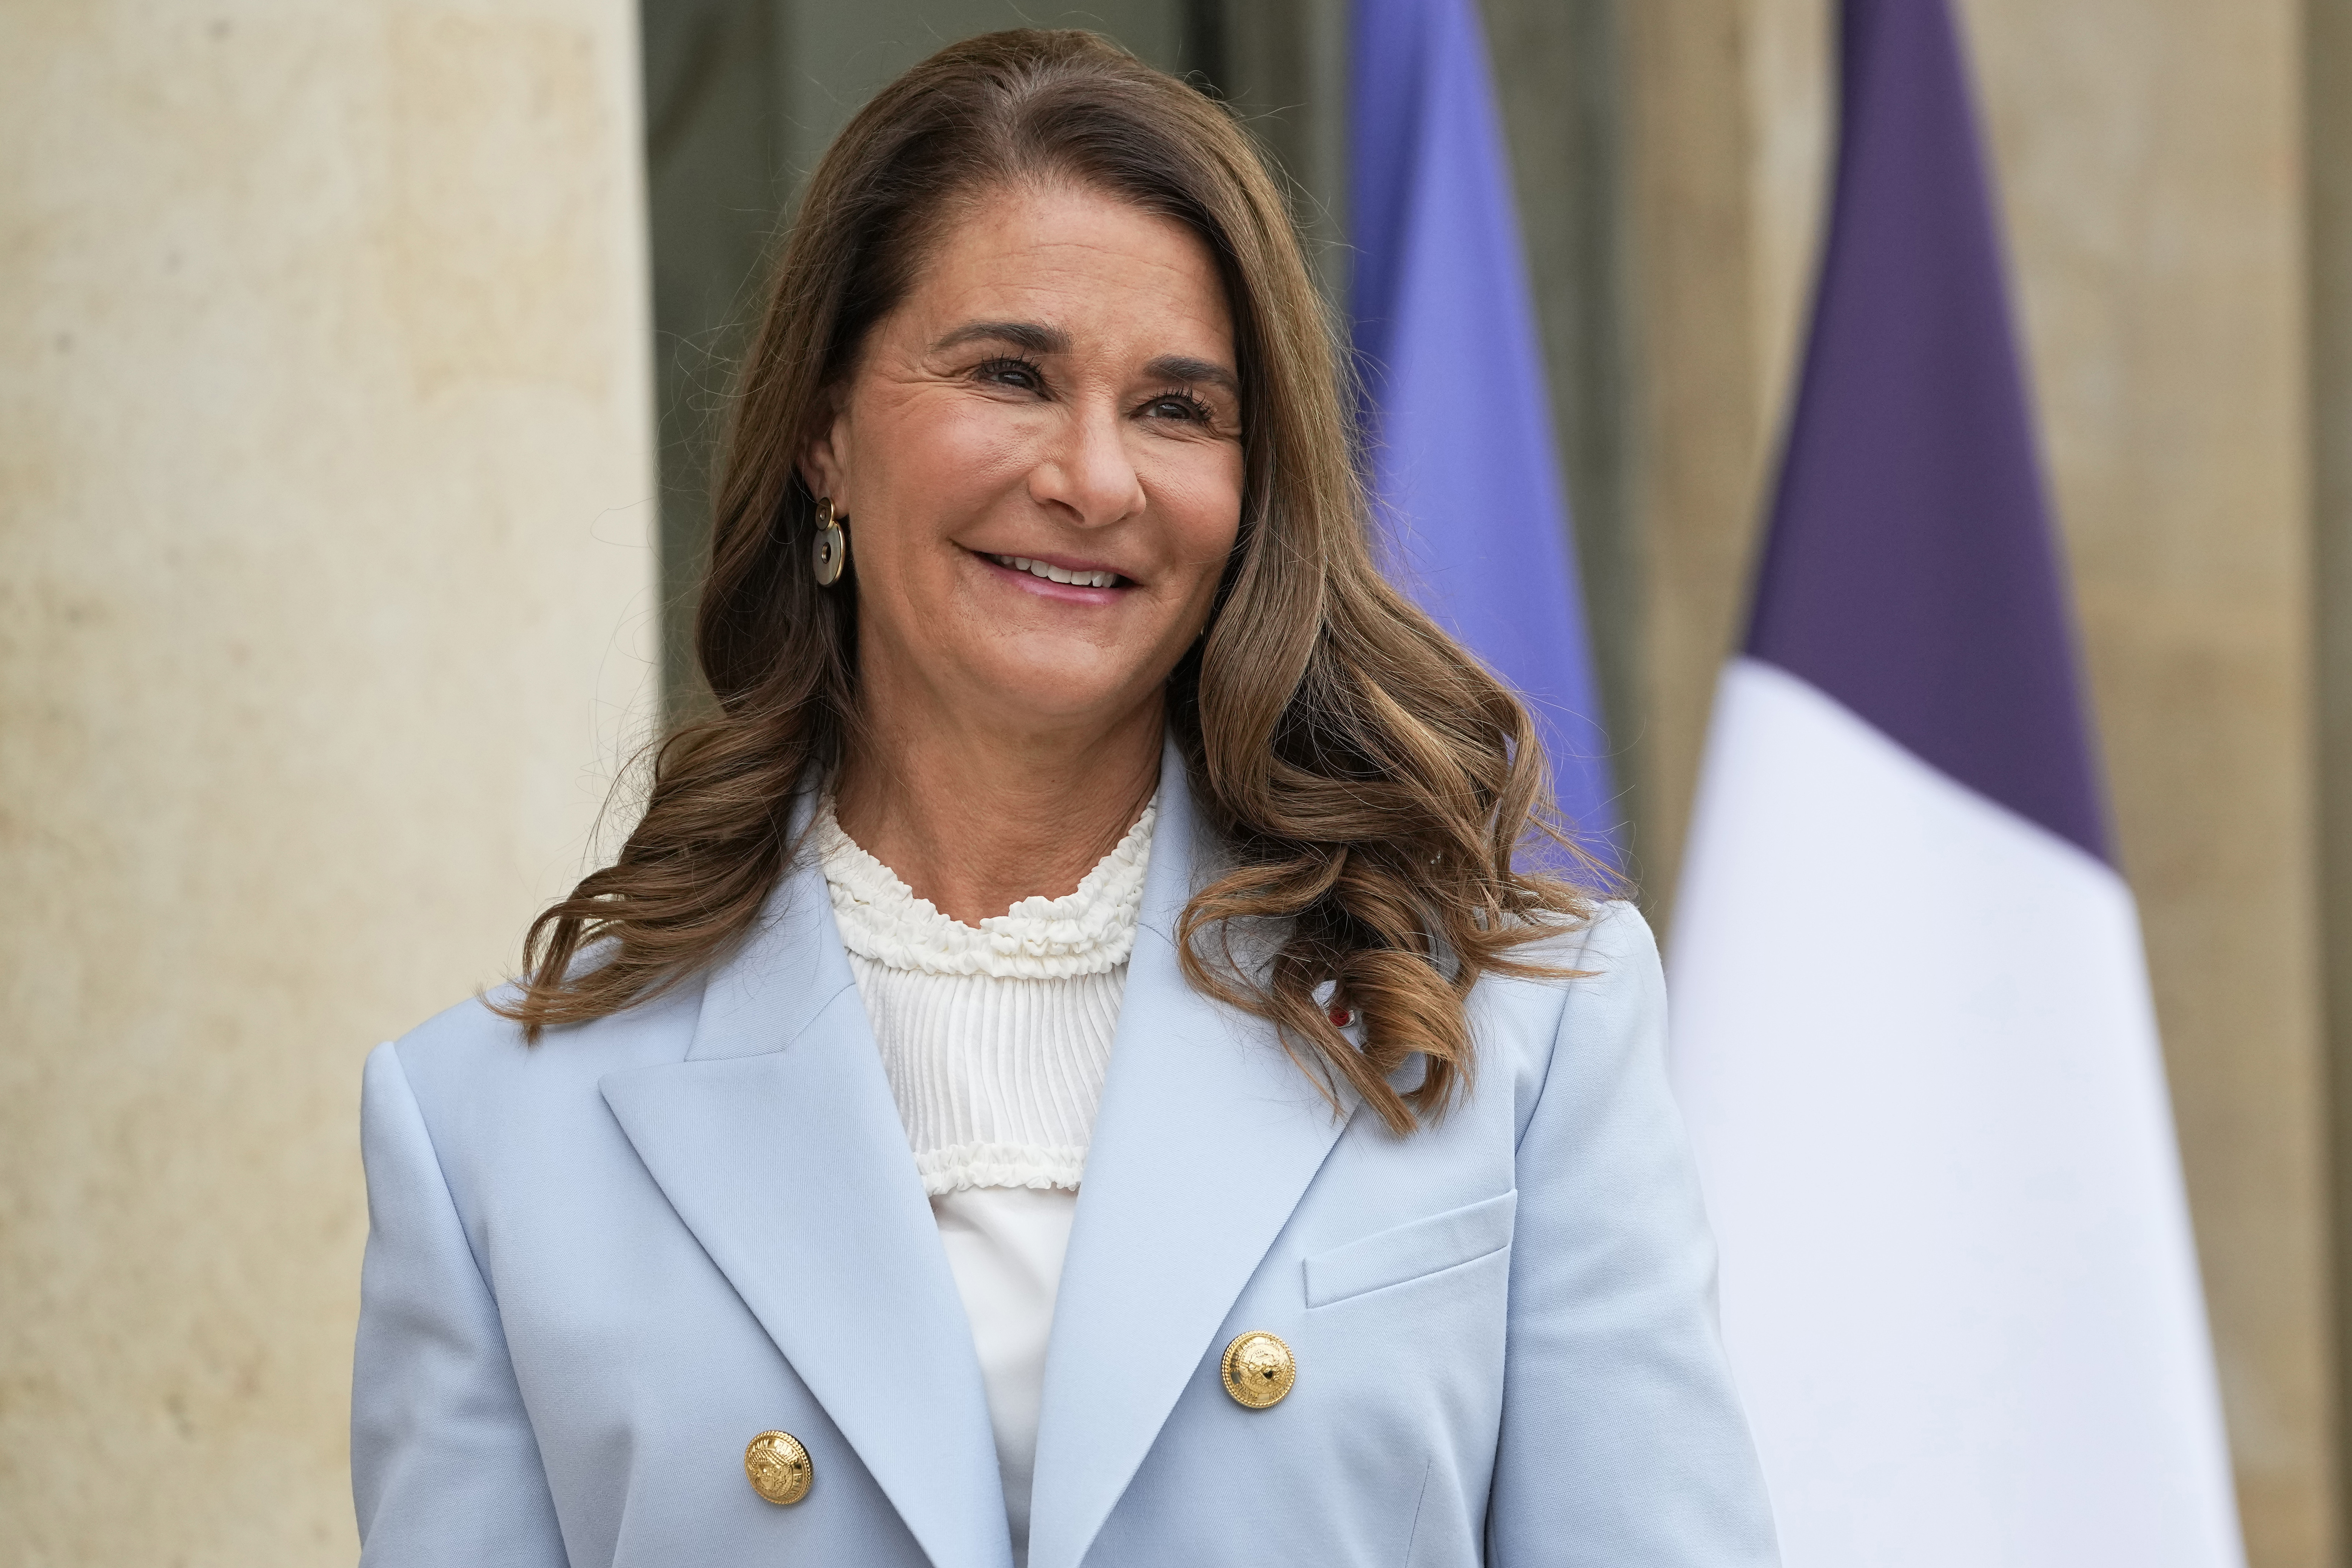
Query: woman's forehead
[[1068, 259]]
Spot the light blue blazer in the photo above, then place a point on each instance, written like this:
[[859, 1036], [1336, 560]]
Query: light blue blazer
[[598, 1267]]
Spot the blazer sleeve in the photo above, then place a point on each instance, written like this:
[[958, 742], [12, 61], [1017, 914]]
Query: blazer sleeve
[[444, 1469], [1622, 1440]]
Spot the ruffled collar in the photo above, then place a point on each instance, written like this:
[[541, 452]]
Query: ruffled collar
[[1083, 932]]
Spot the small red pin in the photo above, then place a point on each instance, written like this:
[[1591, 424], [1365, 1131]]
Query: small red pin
[[1343, 1017]]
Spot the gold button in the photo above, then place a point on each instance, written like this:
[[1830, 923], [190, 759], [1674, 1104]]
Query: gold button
[[1258, 1368], [779, 1468]]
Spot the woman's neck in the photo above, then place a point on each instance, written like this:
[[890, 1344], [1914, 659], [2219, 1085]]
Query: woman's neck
[[976, 820]]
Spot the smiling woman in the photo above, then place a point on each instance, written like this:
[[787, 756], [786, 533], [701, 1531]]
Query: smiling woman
[[1064, 1069], [1041, 450]]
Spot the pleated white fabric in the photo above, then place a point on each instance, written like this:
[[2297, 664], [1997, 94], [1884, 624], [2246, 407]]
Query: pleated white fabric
[[995, 1036], [995, 1039]]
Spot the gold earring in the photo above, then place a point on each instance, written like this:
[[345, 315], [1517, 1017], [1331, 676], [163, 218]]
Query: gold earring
[[831, 544]]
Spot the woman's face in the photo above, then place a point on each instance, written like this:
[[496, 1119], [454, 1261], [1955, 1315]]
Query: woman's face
[[1039, 456]]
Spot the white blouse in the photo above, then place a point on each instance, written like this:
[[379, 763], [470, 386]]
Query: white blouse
[[995, 1039]]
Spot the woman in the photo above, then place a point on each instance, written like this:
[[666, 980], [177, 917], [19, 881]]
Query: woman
[[1063, 1069]]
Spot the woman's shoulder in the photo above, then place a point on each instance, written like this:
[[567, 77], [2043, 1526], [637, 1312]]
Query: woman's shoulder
[[1582, 1044], [1616, 932], [1615, 974], [1602, 992], [1608, 948], [471, 1063]]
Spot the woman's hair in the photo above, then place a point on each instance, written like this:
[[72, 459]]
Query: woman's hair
[[1368, 780]]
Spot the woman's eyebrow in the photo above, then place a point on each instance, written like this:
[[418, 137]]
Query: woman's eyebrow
[[1179, 367], [1030, 337], [1034, 337]]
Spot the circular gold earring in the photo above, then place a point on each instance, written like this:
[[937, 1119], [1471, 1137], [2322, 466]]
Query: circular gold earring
[[831, 544]]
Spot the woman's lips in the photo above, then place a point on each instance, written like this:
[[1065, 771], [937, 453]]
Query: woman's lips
[[1054, 572]]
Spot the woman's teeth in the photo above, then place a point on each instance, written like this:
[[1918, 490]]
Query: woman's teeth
[[1056, 574]]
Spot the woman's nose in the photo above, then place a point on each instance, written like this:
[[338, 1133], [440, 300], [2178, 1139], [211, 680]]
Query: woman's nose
[[1088, 472]]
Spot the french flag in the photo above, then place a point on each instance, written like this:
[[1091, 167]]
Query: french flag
[[1912, 1031], [1475, 516]]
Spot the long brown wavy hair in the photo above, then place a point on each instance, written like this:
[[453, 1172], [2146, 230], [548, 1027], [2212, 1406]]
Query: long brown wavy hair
[[1368, 779]]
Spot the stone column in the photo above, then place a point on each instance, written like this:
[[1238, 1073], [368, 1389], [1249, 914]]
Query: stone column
[[2328, 132], [324, 584], [1732, 104]]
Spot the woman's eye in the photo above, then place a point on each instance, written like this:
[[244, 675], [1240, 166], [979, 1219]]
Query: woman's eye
[[1013, 373], [1179, 406]]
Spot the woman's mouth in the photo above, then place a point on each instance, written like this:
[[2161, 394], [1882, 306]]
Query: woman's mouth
[[1053, 573]]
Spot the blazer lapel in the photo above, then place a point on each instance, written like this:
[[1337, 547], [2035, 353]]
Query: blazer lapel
[[778, 1143], [1207, 1137]]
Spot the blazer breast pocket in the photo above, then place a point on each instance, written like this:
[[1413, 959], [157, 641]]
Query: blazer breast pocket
[[1411, 1251]]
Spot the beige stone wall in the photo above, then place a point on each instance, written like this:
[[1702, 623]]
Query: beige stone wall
[[2327, 129], [1732, 121], [324, 496], [2151, 155]]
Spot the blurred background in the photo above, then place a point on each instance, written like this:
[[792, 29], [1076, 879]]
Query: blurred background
[[359, 366]]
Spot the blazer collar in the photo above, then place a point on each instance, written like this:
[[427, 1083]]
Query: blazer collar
[[779, 1145], [1207, 1138]]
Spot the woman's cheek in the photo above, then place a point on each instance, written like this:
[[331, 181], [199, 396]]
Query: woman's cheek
[[981, 446], [1203, 506]]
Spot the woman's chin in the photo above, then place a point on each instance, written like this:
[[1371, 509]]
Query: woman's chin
[[1075, 695]]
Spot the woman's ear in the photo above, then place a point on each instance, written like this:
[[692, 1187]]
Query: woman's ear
[[821, 465]]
